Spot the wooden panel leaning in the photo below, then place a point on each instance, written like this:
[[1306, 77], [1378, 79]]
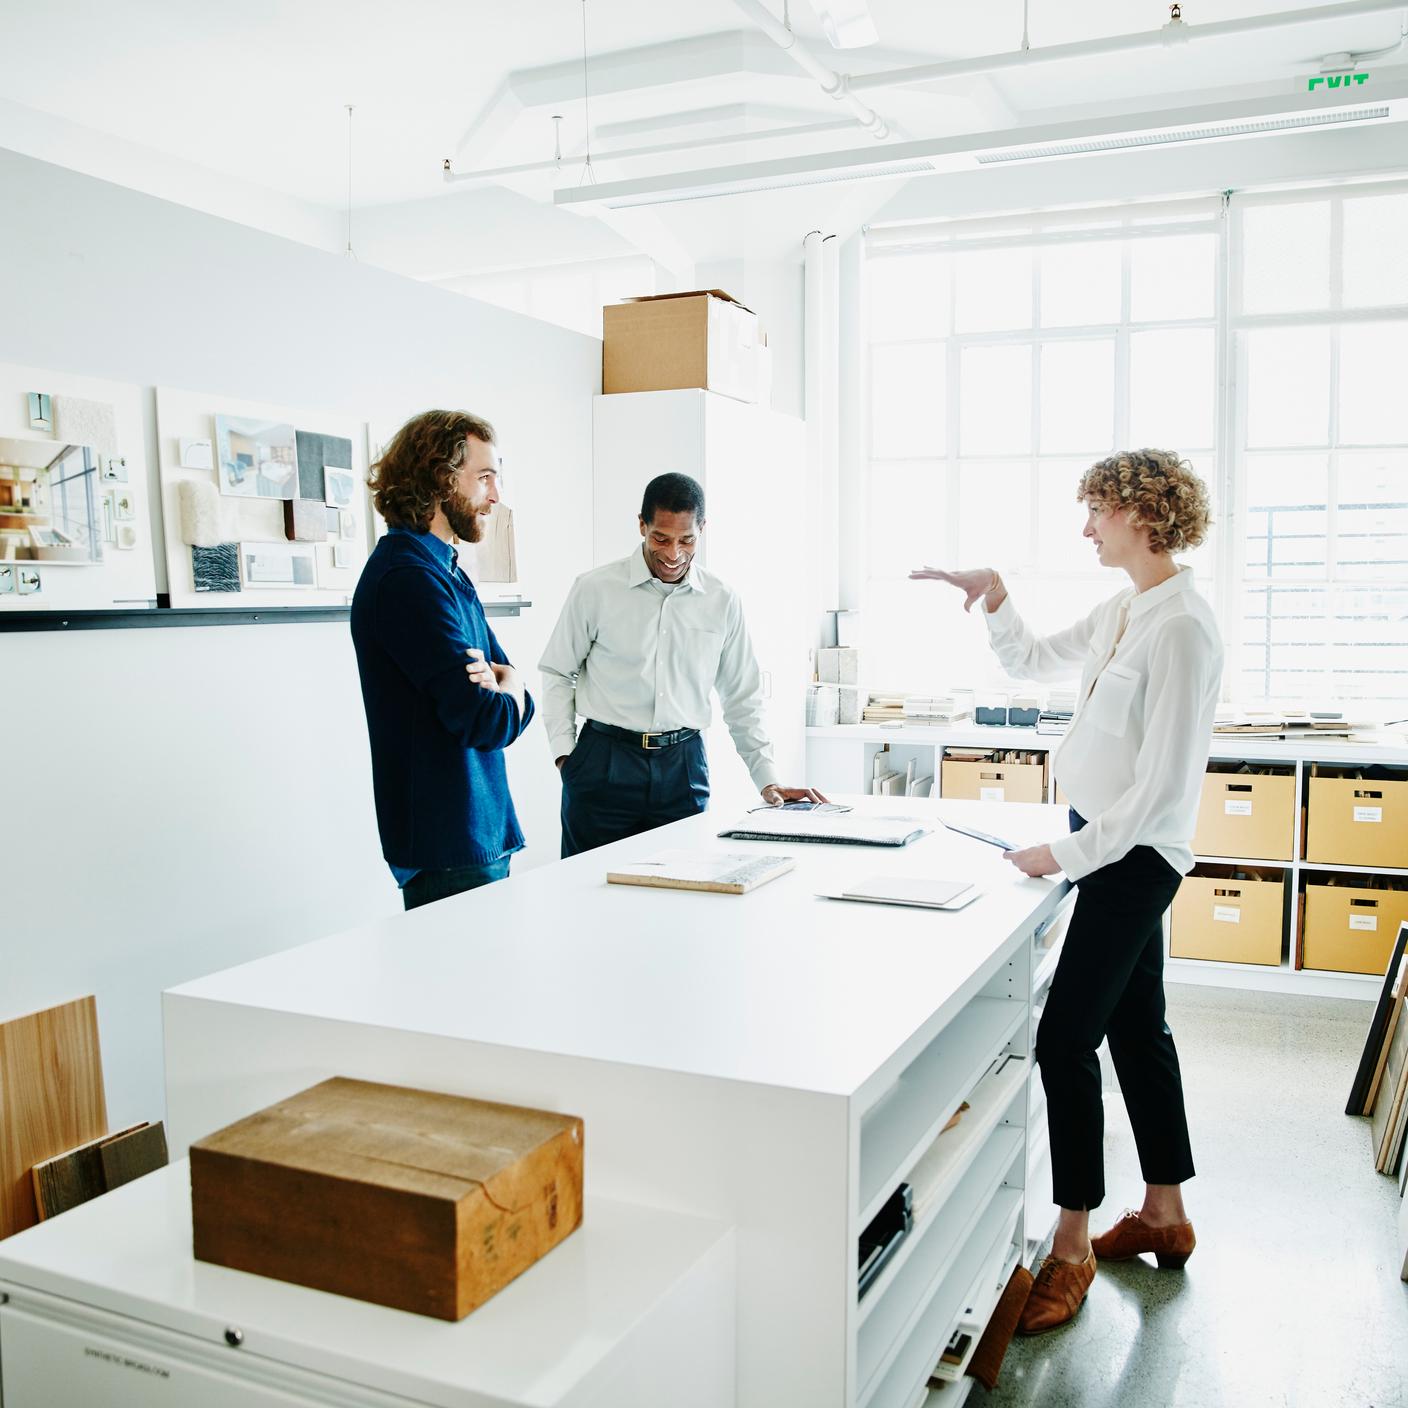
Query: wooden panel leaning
[[425, 1202], [51, 1098]]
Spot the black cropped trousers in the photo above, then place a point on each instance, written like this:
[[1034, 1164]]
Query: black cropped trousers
[[1109, 985]]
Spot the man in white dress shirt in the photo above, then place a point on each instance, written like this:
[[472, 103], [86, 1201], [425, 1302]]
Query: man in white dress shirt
[[639, 647]]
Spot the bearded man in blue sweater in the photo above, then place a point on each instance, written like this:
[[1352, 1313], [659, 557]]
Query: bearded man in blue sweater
[[437, 731]]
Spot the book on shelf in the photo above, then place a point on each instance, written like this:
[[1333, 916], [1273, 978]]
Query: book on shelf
[[694, 870]]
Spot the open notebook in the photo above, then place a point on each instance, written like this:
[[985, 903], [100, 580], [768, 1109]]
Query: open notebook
[[828, 828]]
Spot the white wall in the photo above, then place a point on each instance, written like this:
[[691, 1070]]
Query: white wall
[[183, 800]]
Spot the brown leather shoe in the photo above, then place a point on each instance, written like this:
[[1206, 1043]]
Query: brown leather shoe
[[1131, 1237], [1058, 1293]]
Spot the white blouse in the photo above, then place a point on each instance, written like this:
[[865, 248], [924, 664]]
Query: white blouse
[[1133, 759]]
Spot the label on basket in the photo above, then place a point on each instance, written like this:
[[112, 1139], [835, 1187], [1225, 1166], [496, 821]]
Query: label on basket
[[1368, 813], [1237, 808], [1227, 913], [995, 794], [1364, 921]]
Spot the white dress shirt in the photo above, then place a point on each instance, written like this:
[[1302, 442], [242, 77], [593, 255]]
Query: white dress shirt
[[627, 653], [1133, 759]]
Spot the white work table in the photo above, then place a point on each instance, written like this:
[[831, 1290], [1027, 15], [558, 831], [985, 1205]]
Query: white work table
[[773, 1063], [776, 987]]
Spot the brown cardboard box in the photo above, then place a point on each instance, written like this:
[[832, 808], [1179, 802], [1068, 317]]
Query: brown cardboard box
[[1247, 815], [994, 782], [425, 1202], [1349, 929], [1356, 821], [673, 340], [1229, 920]]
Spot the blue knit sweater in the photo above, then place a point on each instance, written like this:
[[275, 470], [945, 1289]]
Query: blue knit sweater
[[437, 740]]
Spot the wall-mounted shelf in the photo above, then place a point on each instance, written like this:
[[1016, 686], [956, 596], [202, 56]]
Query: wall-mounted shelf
[[159, 616]]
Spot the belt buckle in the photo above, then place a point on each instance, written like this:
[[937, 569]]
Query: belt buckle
[[647, 745]]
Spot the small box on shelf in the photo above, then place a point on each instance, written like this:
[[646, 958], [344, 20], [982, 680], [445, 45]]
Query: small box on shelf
[[1247, 812], [1001, 776], [1349, 922], [1229, 914], [1357, 816]]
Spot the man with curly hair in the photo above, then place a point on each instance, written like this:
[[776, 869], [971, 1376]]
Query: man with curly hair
[[437, 731], [1132, 763]]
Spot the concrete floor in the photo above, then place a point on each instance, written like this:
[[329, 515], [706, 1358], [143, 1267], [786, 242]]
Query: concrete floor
[[1293, 1296]]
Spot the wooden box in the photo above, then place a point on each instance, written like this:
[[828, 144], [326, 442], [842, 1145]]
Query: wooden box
[[1349, 929], [1357, 821], [1248, 815], [425, 1202], [1229, 920]]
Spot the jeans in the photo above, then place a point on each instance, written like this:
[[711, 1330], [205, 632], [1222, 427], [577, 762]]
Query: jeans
[[430, 885]]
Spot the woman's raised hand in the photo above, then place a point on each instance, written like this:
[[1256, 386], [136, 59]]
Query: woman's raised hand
[[974, 583]]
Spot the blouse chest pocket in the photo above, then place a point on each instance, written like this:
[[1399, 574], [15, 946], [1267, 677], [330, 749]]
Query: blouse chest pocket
[[1112, 700]]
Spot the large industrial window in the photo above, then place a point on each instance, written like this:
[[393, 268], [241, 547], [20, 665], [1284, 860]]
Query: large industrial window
[[1005, 356]]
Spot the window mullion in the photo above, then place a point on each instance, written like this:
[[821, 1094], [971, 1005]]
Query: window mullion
[[1227, 593]]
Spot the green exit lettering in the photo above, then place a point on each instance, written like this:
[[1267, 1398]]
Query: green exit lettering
[[1339, 80]]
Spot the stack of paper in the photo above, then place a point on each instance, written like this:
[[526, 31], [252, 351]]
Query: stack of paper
[[884, 708], [935, 709]]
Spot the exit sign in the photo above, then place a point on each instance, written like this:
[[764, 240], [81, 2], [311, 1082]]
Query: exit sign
[[1338, 80]]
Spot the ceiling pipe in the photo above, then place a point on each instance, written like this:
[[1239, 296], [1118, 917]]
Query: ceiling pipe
[[1347, 62], [496, 173], [834, 85], [1114, 44]]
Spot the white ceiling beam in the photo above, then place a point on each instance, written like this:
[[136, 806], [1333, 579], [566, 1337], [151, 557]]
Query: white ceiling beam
[[1179, 34]]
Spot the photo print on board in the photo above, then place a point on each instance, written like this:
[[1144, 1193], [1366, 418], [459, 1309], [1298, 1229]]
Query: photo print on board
[[278, 565], [339, 485], [257, 458]]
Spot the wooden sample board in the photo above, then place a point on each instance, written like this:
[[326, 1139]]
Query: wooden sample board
[[51, 1098], [79, 1175], [425, 1202]]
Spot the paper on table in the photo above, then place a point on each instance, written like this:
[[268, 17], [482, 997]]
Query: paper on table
[[921, 891]]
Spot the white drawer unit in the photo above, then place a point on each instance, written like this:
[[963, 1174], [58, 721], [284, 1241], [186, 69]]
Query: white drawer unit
[[105, 1305]]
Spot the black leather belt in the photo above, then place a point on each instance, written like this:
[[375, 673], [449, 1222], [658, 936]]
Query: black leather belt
[[651, 742]]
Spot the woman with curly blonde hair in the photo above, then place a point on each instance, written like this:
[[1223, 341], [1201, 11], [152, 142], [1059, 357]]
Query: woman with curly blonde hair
[[1132, 762]]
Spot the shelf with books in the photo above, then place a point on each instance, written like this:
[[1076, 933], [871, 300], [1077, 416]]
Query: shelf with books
[[1275, 788]]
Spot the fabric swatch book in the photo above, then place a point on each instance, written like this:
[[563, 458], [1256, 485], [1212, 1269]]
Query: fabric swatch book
[[691, 870], [828, 828]]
